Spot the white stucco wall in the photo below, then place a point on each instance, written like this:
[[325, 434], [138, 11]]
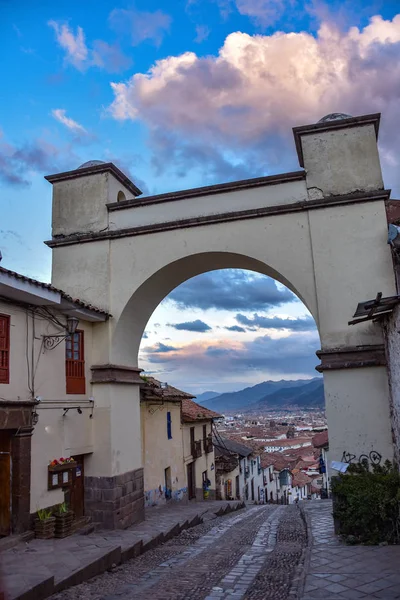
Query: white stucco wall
[[55, 435], [349, 158], [159, 452], [358, 412], [287, 193]]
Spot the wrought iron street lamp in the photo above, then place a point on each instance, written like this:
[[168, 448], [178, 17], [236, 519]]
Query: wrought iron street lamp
[[51, 341]]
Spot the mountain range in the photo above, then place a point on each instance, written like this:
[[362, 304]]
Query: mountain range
[[301, 393]]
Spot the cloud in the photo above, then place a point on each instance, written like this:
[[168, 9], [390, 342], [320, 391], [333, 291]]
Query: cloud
[[264, 13], [159, 348], [19, 164], [73, 43], [236, 328], [110, 57], [140, 26], [60, 115], [103, 55], [292, 355], [196, 325], [258, 321], [202, 33], [241, 101], [230, 289]]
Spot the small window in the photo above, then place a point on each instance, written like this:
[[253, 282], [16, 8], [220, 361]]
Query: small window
[[75, 363], [4, 349], [121, 196], [169, 426]]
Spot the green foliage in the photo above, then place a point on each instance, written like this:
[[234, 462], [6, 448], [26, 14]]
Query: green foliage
[[367, 503], [62, 508], [44, 514]]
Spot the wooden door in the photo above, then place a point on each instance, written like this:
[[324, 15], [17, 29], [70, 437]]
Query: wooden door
[[5, 483], [77, 494], [191, 481], [168, 483]]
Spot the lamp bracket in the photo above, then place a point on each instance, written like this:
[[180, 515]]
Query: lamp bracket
[[52, 341]]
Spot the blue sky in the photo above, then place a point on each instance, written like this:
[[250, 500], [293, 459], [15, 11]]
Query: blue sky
[[179, 95]]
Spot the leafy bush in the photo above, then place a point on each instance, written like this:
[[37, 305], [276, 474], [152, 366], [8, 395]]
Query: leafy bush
[[367, 503]]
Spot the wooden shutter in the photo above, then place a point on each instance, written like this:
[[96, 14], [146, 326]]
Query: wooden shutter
[[75, 363], [4, 349], [169, 426]]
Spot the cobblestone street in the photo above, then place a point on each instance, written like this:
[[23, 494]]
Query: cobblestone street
[[250, 554]]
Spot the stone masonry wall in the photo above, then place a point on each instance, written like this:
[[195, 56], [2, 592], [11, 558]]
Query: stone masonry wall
[[115, 502], [392, 337]]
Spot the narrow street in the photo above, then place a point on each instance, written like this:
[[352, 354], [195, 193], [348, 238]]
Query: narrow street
[[251, 554]]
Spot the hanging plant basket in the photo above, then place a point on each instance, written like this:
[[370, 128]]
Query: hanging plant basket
[[62, 467], [44, 528]]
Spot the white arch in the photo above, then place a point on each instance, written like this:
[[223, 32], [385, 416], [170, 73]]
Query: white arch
[[142, 303]]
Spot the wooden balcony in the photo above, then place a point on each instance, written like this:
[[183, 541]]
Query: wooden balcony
[[196, 449], [208, 445]]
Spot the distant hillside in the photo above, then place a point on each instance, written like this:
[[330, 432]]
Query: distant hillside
[[308, 395], [250, 396], [202, 398]]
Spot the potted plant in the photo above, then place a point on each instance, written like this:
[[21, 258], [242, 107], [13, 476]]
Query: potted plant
[[44, 524], [64, 519]]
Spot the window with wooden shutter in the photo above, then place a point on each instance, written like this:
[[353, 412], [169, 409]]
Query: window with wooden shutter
[[169, 426], [75, 363], [4, 349]]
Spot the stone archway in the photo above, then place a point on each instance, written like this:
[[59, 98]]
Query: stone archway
[[321, 231]]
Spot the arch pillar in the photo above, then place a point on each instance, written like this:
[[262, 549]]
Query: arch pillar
[[114, 488], [341, 159]]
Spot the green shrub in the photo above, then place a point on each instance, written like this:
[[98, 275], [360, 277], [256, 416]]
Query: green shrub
[[44, 514], [367, 503]]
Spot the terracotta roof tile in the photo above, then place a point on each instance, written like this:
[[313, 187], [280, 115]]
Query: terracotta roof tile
[[48, 286], [301, 479], [191, 411], [153, 387], [321, 440]]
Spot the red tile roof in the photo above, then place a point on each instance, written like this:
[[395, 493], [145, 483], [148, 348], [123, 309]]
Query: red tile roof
[[191, 411], [153, 387], [300, 479], [321, 440], [48, 286]]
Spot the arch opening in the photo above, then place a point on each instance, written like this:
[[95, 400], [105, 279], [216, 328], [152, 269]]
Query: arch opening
[[140, 307]]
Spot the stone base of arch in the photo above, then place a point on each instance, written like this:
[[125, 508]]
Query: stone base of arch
[[115, 502]]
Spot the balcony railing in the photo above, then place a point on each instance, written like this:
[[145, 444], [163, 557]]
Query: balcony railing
[[208, 446], [196, 449]]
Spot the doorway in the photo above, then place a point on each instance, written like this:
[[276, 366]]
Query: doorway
[[252, 489], [191, 481], [5, 483], [168, 483], [237, 488], [77, 492]]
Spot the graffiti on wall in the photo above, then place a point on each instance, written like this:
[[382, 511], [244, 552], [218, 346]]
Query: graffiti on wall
[[373, 458], [161, 494]]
